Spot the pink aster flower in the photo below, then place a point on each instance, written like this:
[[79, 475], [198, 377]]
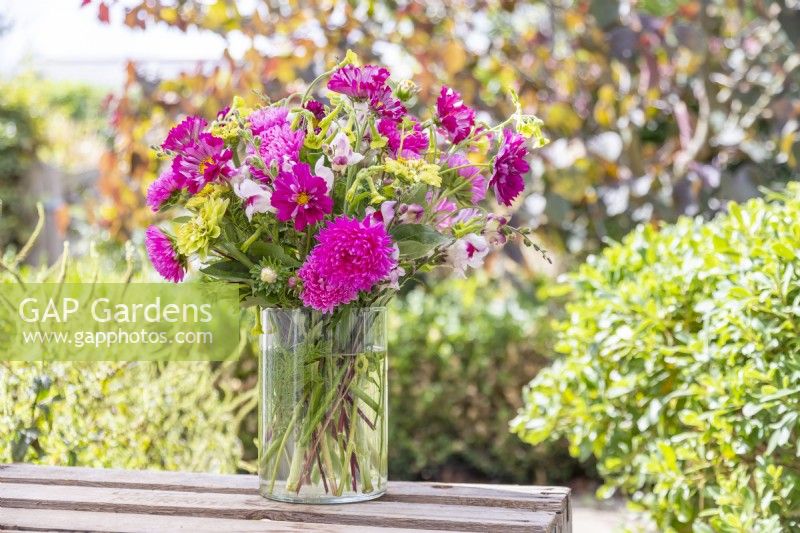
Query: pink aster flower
[[163, 256], [455, 117], [301, 196], [202, 162], [162, 189], [280, 147], [353, 253], [319, 294], [509, 167], [470, 173], [263, 119], [185, 134], [409, 144]]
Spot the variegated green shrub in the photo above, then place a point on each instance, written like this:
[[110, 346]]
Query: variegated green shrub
[[137, 415], [681, 370]]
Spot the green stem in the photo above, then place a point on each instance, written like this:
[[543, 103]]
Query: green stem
[[313, 83], [296, 469], [326, 458], [364, 397], [364, 463], [316, 417], [249, 242], [459, 167], [277, 460], [234, 251]]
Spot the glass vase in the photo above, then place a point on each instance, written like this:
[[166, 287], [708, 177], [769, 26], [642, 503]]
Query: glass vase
[[323, 405]]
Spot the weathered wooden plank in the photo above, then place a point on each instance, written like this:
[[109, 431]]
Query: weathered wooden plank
[[142, 479], [253, 507], [47, 520], [547, 499], [540, 498]]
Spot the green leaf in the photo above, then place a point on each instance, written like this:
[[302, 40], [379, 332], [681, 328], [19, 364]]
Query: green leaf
[[228, 270], [417, 240], [778, 439], [783, 251], [736, 212], [739, 292], [413, 249], [269, 250]]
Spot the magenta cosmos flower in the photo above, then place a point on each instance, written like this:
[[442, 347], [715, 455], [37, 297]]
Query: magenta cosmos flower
[[185, 134], [359, 83], [386, 105], [408, 143], [301, 196], [510, 166], [455, 117], [470, 173], [162, 189], [368, 83], [319, 294], [353, 254], [163, 256], [202, 162]]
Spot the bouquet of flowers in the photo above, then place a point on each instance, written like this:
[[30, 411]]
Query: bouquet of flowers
[[319, 210]]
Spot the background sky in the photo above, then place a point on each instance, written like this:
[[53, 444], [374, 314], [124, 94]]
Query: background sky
[[63, 41]]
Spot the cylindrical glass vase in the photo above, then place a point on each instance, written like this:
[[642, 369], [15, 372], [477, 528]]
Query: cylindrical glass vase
[[323, 405]]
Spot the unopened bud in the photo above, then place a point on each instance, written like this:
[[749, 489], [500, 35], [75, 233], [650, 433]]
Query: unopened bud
[[268, 275], [406, 90]]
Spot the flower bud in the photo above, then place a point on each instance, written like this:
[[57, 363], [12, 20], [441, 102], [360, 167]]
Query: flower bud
[[268, 275], [406, 90]]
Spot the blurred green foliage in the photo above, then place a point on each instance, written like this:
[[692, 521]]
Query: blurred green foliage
[[137, 415], [19, 139], [681, 368], [460, 352], [117, 415], [54, 123]]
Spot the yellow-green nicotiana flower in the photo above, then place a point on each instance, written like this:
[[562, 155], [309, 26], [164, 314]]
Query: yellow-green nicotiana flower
[[241, 106], [228, 130], [414, 171], [530, 127], [211, 190], [196, 235]]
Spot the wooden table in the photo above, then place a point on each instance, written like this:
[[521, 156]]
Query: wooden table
[[39, 498]]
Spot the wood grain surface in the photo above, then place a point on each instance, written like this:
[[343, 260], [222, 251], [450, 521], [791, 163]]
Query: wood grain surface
[[39, 498]]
